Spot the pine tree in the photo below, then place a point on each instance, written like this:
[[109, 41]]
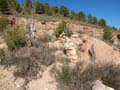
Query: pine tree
[[47, 9], [108, 34], [102, 23], [54, 10], [73, 15], [15, 6], [94, 21], [64, 11], [37, 7], [81, 16], [89, 18], [4, 7], [28, 6]]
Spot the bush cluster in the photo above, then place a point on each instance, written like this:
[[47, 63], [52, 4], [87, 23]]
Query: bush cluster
[[4, 22], [62, 28], [2, 55], [29, 61], [15, 38], [107, 36], [82, 78]]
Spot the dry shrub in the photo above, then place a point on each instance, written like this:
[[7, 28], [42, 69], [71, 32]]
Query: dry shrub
[[29, 61], [46, 38], [82, 78]]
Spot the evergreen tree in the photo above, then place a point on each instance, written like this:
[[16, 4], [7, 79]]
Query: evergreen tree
[[18, 8], [47, 9], [108, 34], [54, 10], [4, 7], [15, 6], [64, 11], [94, 21], [39, 8], [73, 14], [28, 6], [89, 17], [102, 23], [81, 16]]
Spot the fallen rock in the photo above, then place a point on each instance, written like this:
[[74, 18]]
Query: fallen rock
[[98, 85], [116, 43], [3, 46], [71, 50], [91, 52]]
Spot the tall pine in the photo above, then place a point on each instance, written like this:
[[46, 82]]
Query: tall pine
[[28, 6], [4, 7]]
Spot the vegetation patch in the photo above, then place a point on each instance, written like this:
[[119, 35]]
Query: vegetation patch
[[15, 38], [62, 28], [29, 61], [4, 22], [107, 36], [82, 78]]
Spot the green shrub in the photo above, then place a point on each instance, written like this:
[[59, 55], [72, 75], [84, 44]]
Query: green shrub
[[27, 10], [2, 55], [107, 36], [65, 75], [15, 38], [4, 22], [82, 78], [62, 28], [68, 32]]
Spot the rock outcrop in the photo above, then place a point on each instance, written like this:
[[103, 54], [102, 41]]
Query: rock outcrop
[[71, 45], [70, 50], [116, 43], [3, 44], [98, 85]]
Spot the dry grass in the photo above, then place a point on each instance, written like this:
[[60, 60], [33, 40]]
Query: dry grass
[[29, 61], [81, 78]]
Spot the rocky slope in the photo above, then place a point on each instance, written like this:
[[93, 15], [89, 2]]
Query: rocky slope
[[86, 46]]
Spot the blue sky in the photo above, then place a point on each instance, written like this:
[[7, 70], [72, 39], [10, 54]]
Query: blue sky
[[107, 9]]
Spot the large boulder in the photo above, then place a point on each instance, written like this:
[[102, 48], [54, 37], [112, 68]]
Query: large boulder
[[98, 85]]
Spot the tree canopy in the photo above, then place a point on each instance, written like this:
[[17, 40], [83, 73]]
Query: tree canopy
[[11, 6], [64, 11]]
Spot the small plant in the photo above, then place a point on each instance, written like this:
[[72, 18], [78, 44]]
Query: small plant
[[65, 75], [62, 28], [4, 22], [2, 55], [15, 38]]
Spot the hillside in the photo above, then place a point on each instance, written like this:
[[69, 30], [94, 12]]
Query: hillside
[[85, 45]]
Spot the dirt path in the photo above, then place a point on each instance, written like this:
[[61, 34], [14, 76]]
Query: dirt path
[[47, 82]]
